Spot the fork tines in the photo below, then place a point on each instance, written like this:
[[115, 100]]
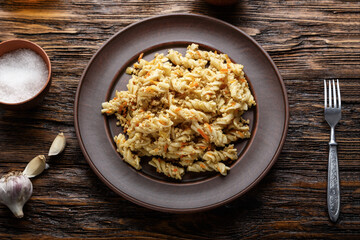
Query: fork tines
[[332, 103]]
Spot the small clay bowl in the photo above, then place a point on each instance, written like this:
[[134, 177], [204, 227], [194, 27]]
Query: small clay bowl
[[15, 44]]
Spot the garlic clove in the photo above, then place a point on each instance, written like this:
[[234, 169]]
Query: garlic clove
[[58, 145], [15, 191], [35, 166]]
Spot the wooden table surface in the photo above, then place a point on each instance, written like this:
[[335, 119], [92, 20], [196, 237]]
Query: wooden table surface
[[308, 40]]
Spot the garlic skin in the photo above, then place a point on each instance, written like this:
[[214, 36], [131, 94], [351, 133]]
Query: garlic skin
[[58, 145], [36, 166], [15, 191]]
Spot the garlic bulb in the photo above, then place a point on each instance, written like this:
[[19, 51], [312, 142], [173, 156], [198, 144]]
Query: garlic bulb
[[58, 145], [15, 190], [35, 166]]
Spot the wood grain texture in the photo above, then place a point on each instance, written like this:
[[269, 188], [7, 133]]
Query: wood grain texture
[[308, 40]]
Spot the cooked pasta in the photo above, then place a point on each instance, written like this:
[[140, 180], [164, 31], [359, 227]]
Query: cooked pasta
[[183, 111], [167, 168], [208, 166]]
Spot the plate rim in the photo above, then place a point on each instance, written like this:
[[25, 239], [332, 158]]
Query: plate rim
[[195, 209]]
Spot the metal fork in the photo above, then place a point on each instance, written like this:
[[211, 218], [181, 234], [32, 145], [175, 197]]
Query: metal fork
[[333, 116]]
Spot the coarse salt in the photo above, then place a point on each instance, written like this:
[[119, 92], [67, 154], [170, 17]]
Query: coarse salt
[[23, 73]]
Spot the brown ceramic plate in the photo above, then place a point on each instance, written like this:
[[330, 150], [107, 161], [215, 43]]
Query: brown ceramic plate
[[105, 73]]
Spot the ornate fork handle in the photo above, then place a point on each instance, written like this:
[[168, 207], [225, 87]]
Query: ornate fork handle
[[333, 185]]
